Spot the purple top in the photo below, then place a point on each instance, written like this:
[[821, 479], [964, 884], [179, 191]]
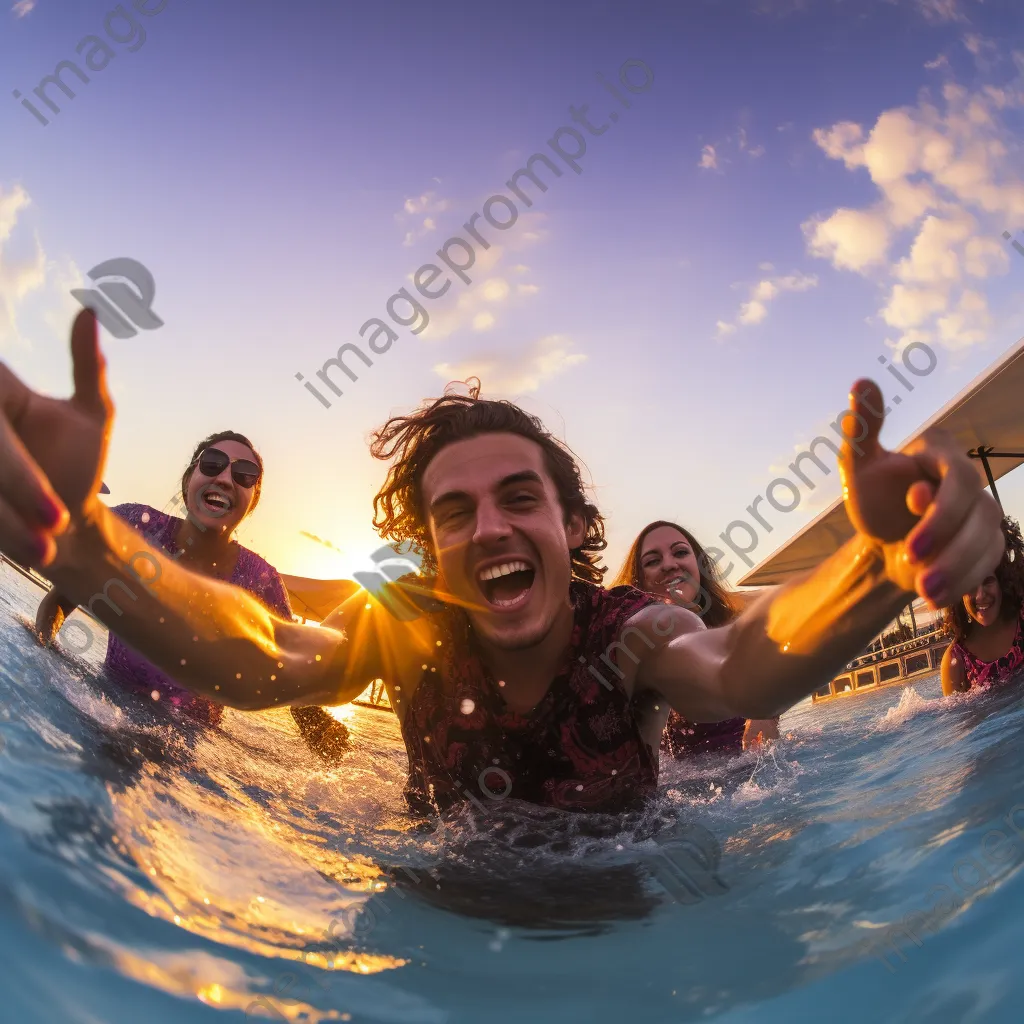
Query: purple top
[[130, 670], [683, 738]]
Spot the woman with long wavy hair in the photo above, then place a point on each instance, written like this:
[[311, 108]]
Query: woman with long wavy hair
[[987, 626], [668, 562]]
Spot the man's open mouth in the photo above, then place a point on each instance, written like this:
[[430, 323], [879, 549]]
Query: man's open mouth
[[216, 502], [506, 586]]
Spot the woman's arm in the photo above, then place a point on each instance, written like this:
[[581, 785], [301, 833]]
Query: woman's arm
[[50, 615], [954, 675]]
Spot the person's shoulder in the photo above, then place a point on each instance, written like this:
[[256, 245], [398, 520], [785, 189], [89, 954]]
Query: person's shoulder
[[666, 620], [953, 669], [624, 599]]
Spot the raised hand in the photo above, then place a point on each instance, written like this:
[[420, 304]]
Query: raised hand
[[938, 527], [52, 451]]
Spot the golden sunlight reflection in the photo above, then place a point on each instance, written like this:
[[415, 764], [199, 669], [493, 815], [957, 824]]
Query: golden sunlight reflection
[[343, 712], [222, 866], [187, 975]]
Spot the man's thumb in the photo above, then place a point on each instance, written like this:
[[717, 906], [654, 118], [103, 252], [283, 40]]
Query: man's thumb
[[90, 370], [862, 422]]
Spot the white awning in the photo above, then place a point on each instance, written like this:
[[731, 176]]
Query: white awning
[[986, 418]]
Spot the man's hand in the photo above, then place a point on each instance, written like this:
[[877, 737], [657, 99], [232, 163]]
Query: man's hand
[[938, 529], [52, 451]]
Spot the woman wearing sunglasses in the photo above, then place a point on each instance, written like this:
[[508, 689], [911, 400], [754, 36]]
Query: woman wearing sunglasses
[[219, 488]]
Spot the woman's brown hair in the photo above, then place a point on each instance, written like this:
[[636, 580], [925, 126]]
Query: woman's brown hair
[[413, 441], [1009, 574], [224, 435], [718, 608]]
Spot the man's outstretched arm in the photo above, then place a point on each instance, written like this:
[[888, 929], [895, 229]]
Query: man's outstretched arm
[[215, 639], [781, 648], [925, 526]]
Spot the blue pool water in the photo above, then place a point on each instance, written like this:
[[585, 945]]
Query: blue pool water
[[157, 873]]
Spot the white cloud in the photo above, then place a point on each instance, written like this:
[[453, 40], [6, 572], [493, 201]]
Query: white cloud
[[947, 185], [708, 158], [23, 7], [851, 239], [419, 215], [490, 293], [19, 274], [712, 158], [516, 373], [942, 11], [755, 309]]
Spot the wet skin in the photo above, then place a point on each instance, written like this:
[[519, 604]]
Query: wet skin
[[52, 461]]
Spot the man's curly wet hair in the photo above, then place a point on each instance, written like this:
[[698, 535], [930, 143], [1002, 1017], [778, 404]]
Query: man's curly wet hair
[[413, 441], [1010, 576]]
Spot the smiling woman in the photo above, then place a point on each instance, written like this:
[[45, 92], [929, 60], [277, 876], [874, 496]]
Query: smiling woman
[[987, 625], [220, 486]]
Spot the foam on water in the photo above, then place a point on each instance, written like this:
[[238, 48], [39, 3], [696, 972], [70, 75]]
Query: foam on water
[[162, 872]]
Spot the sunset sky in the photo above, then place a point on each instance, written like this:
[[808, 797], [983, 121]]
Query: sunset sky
[[805, 185]]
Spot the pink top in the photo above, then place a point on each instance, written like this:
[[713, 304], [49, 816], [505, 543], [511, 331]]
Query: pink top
[[129, 669], [983, 674]]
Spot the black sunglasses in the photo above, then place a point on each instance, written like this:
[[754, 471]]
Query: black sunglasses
[[212, 462]]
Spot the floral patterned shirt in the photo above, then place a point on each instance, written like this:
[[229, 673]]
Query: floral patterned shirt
[[579, 749], [983, 674]]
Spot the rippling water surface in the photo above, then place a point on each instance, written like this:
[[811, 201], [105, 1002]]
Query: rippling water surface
[[165, 873]]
